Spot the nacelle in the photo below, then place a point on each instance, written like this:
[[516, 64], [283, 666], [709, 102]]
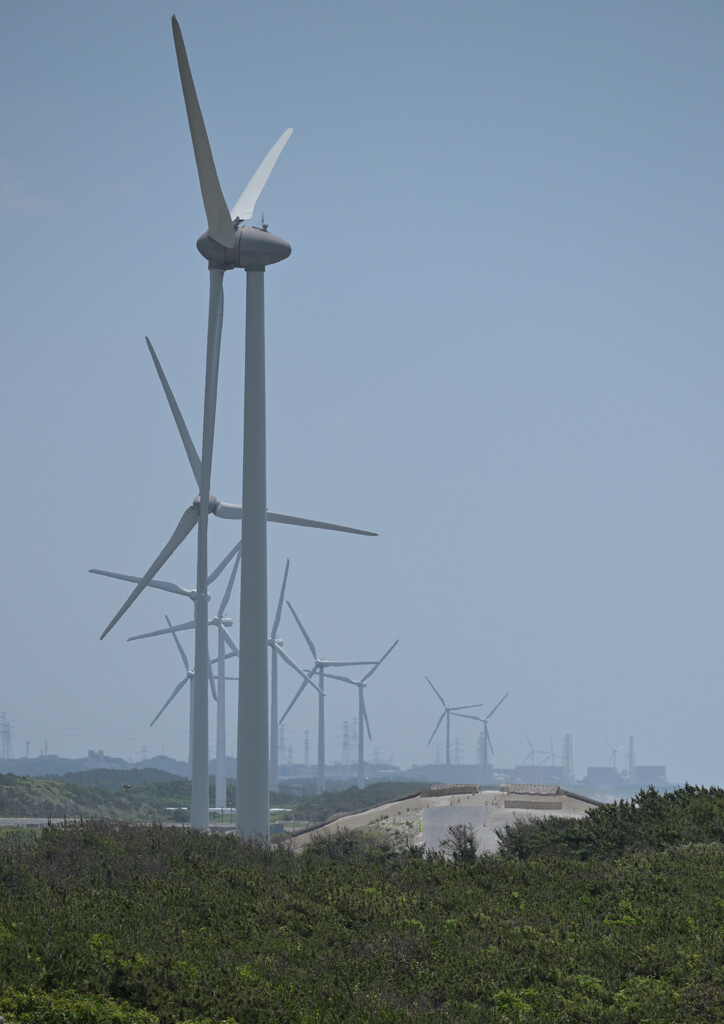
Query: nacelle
[[253, 247]]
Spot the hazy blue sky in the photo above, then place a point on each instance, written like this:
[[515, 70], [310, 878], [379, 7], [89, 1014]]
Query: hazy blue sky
[[498, 342]]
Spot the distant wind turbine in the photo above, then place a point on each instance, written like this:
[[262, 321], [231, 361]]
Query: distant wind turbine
[[224, 639], [320, 666], [447, 713], [362, 719], [487, 743]]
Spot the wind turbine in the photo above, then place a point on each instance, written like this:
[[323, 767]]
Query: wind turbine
[[362, 719], [320, 665], [189, 519], [614, 752], [487, 743], [448, 712], [229, 242], [224, 639], [189, 678]]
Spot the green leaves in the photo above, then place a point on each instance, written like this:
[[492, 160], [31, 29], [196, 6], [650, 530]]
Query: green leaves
[[109, 923]]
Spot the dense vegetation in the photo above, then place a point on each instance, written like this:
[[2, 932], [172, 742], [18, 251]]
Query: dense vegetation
[[112, 922], [650, 821], [24, 797]]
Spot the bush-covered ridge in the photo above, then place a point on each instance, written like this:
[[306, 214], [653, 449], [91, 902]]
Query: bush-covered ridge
[[104, 920], [650, 821]]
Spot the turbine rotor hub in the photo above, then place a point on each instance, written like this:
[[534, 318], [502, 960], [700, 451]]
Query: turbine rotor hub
[[213, 504]]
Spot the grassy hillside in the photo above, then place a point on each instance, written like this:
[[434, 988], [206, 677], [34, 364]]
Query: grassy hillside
[[137, 925], [99, 793], [44, 797], [114, 778]]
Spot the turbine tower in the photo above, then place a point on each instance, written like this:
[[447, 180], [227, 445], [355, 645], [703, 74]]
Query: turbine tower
[[320, 665], [229, 242], [447, 713], [487, 744], [362, 719], [224, 639]]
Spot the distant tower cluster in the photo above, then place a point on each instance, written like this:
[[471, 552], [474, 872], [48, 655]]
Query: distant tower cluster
[[6, 741], [631, 759], [346, 746]]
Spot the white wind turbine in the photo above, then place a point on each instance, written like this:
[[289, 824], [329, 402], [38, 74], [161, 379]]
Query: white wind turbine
[[230, 243], [447, 713], [190, 679], [224, 639], [487, 742], [614, 752], [190, 518], [320, 666], [362, 719]]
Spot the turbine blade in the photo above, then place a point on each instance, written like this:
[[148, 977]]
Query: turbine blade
[[344, 664], [438, 695], [228, 638], [377, 665], [367, 721], [490, 744], [244, 205], [229, 585], [185, 525], [217, 212], [278, 517], [496, 707], [176, 640], [343, 679], [225, 510], [177, 690], [211, 379], [211, 675], [223, 564], [465, 707], [191, 454], [156, 584], [437, 726], [476, 718], [162, 632], [307, 676], [306, 635], [280, 603]]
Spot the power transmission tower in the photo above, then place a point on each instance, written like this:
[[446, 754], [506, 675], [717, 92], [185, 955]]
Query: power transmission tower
[[346, 755], [6, 745], [457, 756], [568, 755], [631, 759]]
